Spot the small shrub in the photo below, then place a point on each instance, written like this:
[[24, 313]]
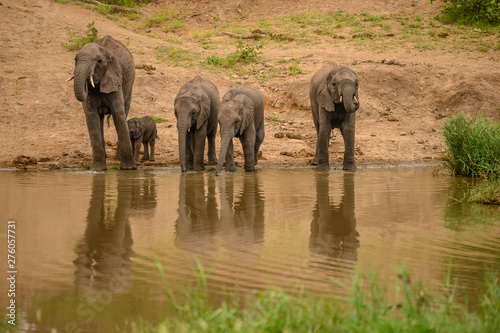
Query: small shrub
[[471, 12], [159, 120], [473, 146], [244, 54], [76, 43]]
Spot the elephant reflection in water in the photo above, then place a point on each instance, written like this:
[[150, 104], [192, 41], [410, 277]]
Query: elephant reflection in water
[[198, 213], [242, 214], [103, 255], [200, 225], [333, 228]]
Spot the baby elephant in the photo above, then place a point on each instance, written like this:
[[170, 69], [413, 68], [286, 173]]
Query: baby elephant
[[142, 130], [241, 115]]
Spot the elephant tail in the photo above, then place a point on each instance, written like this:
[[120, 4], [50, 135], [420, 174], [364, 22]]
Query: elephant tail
[[107, 119]]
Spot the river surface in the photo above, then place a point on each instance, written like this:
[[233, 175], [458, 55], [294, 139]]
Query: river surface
[[88, 244]]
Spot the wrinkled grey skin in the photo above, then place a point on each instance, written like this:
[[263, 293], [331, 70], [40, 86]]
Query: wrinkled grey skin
[[334, 100], [241, 115], [111, 67], [196, 107], [142, 130]]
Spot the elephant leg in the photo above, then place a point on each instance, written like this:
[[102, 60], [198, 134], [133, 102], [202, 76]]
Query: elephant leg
[[145, 157], [325, 128], [248, 144], [152, 148], [96, 136], [124, 144], [212, 155], [347, 131], [258, 141], [189, 150], [230, 166], [316, 125], [101, 119], [199, 148]]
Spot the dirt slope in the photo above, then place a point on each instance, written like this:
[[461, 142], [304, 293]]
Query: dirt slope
[[402, 106]]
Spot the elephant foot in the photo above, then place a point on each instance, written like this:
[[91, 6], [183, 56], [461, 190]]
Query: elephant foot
[[199, 168], [152, 159], [349, 166], [314, 161], [98, 166], [323, 167], [128, 166], [250, 170], [144, 158]]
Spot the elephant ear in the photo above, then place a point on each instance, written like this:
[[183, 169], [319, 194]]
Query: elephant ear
[[324, 97], [204, 110], [248, 112], [112, 78]]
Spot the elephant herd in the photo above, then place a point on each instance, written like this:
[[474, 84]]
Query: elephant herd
[[103, 79]]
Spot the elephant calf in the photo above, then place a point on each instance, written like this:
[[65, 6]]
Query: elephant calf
[[334, 101], [196, 107], [241, 115], [142, 130]]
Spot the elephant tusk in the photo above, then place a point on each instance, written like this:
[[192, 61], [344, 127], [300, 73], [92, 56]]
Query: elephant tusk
[[340, 98], [92, 81], [71, 78], [356, 100], [189, 129]]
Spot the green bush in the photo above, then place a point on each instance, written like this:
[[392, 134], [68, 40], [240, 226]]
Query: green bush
[[75, 43], [244, 54], [473, 146], [471, 12]]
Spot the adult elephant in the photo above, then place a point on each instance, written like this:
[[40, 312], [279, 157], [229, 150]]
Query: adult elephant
[[241, 115], [196, 107], [104, 76], [334, 100]]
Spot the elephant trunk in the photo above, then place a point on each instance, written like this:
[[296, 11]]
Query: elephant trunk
[[182, 131], [83, 71], [226, 138], [350, 98]]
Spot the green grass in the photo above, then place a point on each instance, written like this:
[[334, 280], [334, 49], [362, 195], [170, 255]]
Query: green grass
[[75, 42], [486, 192], [366, 309], [473, 144], [177, 56], [159, 120]]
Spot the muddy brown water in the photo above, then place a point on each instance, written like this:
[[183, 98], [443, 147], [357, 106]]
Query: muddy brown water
[[88, 243]]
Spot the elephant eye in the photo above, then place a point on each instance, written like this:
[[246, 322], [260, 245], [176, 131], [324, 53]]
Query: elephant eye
[[99, 61]]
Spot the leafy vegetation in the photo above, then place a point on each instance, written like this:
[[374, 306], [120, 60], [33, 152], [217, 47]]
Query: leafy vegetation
[[244, 54], [76, 42], [367, 309], [486, 192], [159, 120], [473, 146], [471, 12]]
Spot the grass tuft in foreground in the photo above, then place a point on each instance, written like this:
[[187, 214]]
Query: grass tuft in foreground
[[473, 146], [367, 309]]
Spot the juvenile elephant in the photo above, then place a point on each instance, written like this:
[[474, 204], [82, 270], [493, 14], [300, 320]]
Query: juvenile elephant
[[241, 115], [143, 130], [196, 107], [334, 100], [104, 76]]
